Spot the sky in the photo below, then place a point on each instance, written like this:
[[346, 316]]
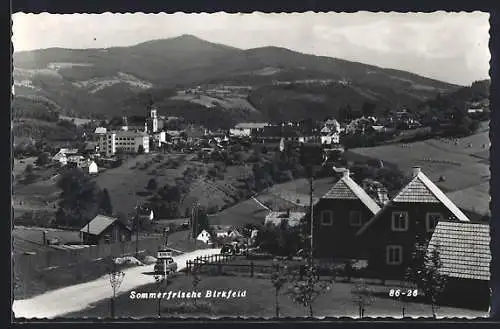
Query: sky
[[451, 47]]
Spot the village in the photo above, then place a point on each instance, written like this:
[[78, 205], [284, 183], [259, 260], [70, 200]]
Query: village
[[361, 228], [258, 166]]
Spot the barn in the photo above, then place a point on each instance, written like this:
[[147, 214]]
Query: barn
[[105, 229]]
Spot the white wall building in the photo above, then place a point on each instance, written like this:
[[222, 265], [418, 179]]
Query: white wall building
[[204, 237], [90, 167], [333, 138], [126, 141], [159, 138], [246, 129]]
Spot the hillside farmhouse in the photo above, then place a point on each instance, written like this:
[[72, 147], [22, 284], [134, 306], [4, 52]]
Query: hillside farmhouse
[[411, 216], [338, 215], [104, 229]]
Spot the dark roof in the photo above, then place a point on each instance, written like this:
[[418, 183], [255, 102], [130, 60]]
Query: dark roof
[[348, 189], [98, 224], [464, 249], [420, 190]]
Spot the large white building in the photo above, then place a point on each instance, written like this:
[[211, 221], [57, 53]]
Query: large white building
[[246, 129], [126, 141]]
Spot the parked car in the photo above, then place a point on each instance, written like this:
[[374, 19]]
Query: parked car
[[228, 249]]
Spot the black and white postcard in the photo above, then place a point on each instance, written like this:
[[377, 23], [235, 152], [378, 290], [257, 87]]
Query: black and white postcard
[[260, 165]]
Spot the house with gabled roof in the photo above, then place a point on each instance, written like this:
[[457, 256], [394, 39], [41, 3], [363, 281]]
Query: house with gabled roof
[[389, 238], [105, 229], [465, 255], [338, 215]]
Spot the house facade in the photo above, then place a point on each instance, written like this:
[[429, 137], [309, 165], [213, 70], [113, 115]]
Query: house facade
[[103, 230], [410, 217], [338, 216]]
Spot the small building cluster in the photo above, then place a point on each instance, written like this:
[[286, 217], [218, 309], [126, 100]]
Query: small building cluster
[[73, 158]]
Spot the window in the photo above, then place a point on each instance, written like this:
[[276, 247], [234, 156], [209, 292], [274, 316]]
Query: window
[[355, 218], [400, 221], [394, 255], [431, 220], [326, 218]]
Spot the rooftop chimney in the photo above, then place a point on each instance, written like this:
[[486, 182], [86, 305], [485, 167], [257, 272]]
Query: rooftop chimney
[[415, 171], [382, 195]]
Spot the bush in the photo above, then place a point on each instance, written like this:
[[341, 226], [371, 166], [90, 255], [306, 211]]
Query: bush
[[152, 185]]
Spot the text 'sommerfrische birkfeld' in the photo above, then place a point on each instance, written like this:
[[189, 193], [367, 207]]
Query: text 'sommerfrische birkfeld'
[[223, 294]]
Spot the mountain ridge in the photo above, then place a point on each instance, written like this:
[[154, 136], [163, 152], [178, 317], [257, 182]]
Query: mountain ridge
[[101, 80]]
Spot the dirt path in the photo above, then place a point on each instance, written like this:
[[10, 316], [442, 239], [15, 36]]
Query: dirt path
[[78, 297]]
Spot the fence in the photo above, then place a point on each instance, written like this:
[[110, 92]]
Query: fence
[[219, 264], [223, 264]]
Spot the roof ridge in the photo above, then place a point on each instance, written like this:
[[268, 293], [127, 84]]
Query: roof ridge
[[436, 191], [361, 194]]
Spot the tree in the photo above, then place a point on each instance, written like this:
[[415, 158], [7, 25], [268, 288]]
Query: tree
[[305, 290], [424, 272], [362, 296], [433, 282], [80, 198], [152, 185], [42, 159], [105, 204], [196, 279], [29, 174], [278, 278], [368, 109]]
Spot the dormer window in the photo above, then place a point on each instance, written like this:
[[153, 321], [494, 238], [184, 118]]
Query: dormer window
[[400, 221]]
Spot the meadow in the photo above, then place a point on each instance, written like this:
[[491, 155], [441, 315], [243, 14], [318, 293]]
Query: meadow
[[460, 167]]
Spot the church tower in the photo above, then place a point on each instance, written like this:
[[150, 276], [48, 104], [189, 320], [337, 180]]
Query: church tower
[[154, 120]]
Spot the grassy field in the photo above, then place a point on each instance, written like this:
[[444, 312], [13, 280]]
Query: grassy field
[[259, 302], [462, 162], [39, 196], [31, 238], [131, 177], [298, 190]]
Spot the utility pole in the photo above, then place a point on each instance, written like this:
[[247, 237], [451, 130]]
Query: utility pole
[[311, 212], [137, 225]]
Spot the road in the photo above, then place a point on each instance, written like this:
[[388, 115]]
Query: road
[[78, 297]]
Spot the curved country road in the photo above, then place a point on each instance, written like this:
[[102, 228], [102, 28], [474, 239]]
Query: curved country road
[[78, 297]]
